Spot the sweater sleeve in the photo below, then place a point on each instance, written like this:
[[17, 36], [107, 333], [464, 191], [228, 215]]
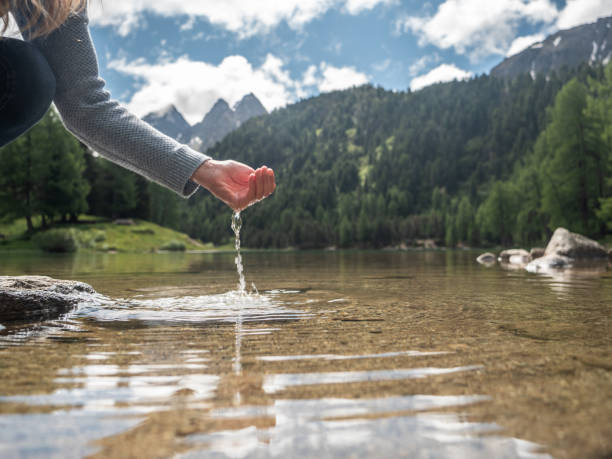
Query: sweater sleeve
[[101, 123]]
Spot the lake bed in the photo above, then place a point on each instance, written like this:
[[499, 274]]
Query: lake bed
[[338, 354]]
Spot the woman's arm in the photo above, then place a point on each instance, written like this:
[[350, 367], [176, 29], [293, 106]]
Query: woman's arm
[[103, 124]]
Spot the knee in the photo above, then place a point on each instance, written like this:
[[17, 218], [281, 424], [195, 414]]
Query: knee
[[27, 87]]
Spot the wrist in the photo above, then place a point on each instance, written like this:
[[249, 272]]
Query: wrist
[[205, 174]]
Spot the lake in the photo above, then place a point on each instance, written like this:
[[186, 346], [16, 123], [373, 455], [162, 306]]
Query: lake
[[339, 354]]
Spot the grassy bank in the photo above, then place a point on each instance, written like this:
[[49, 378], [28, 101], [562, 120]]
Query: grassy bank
[[96, 234]]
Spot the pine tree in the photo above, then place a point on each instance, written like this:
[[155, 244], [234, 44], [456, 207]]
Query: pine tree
[[599, 114], [572, 180]]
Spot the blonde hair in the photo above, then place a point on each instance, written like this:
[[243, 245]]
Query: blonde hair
[[46, 15]]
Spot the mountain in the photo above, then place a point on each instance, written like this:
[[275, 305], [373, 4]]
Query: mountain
[[170, 121], [248, 107], [216, 124], [590, 43]]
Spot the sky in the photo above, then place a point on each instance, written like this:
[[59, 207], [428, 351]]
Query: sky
[[190, 53]]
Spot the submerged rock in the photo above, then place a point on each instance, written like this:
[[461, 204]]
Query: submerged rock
[[548, 263], [574, 245], [514, 256], [487, 259], [39, 297]]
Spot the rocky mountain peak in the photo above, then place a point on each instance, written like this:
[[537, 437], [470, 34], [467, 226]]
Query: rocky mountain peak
[[169, 121], [590, 43], [220, 106], [248, 107], [216, 124]]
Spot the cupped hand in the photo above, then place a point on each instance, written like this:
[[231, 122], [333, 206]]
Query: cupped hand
[[234, 183]]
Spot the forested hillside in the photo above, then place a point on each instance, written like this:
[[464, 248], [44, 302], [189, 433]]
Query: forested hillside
[[369, 167], [476, 162]]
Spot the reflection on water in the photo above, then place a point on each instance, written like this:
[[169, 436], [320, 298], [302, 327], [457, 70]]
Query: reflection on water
[[65, 434], [307, 428], [364, 354], [279, 382]]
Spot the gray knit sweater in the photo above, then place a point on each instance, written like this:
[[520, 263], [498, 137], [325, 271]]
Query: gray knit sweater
[[101, 123]]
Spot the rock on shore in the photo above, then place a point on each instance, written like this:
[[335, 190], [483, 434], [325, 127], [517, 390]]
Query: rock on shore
[[39, 297], [564, 249], [574, 245]]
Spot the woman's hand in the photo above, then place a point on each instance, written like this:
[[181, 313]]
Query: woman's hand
[[234, 183]]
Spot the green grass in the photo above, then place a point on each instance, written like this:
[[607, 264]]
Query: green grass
[[101, 235], [173, 246]]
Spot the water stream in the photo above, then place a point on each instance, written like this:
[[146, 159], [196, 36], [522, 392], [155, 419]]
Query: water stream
[[237, 367], [236, 225]]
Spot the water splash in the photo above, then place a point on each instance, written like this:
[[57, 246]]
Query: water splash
[[236, 225]]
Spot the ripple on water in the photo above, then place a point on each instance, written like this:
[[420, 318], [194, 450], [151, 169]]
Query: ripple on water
[[225, 307]]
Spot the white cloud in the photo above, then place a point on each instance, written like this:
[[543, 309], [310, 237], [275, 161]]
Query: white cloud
[[188, 25], [418, 65], [334, 78], [444, 72], [245, 18], [484, 27], [578, 12], [193, 87], [521, 43], [327, 78], [310, 76], [477, 27], [357, 6]]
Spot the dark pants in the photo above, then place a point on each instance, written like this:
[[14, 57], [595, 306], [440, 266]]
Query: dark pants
[[27, 87]]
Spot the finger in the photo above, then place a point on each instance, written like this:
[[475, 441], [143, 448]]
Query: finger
[[270, 173], [259, 173], [250, 196], [257, 184], [267, 182]]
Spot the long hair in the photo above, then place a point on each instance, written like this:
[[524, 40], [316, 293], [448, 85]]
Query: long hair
[[46, 15]]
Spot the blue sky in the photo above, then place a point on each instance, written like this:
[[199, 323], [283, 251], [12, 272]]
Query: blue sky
[[192, 52]]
